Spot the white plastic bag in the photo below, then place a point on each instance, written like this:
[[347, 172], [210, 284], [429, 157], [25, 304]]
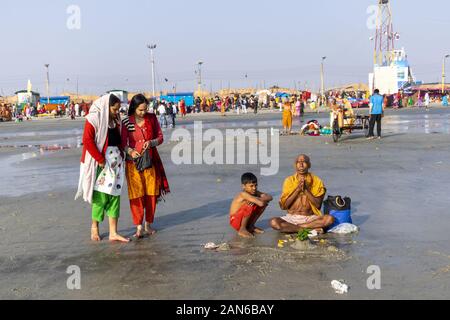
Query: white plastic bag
[[339, 287], [344, 228], [211, 246]]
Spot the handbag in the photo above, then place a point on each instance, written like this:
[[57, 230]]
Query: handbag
[[143, 162], [339, 208]]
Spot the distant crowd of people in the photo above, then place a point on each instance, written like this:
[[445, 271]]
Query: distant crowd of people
[[236, 103], [28, 111], [167, 112]]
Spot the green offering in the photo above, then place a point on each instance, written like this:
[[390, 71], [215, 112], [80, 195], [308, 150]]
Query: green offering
[[303, 234]]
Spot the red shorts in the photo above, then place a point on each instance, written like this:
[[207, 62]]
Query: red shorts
[[244, 211]]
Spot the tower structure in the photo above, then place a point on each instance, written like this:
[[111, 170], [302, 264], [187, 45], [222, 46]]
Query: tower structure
[[385, 35]]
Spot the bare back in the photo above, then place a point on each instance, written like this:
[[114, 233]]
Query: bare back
[[244, 198], [237, 203]]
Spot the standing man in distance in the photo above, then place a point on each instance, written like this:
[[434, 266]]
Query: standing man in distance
[[376, 113]]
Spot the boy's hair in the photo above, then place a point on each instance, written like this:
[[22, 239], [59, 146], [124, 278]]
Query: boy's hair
[[376, 91], [248, 178]]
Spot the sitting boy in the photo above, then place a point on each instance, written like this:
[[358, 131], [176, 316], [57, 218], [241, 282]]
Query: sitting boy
[[248, 206]]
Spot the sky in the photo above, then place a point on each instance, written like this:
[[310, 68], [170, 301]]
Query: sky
[[242, 43]]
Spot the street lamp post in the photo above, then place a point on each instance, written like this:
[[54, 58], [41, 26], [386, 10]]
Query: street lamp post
[[200, 76], [322, 84], [66, 87], [152, 47], [443, 72], [48, 83]]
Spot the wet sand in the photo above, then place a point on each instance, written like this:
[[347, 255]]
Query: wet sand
[[399, 202]]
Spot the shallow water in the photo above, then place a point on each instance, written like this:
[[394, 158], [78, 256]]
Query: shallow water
[[36, 176], [428, 124], [24, 134], [411, 123]]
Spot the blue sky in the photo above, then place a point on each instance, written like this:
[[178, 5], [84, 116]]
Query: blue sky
[[273, 42]]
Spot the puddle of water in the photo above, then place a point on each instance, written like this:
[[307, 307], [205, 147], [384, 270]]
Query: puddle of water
[[428, 124], [25, 134], [22, 180], [50, 145]]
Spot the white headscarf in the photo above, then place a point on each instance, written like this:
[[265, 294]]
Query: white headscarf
[[98, 117]]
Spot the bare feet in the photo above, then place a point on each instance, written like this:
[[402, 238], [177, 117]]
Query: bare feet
[[118, 237], [257, 230], [245, 234], [149, 230], [139, 233], [95, 236]]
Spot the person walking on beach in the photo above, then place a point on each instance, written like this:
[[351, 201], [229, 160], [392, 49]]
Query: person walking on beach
[[427, 100], [169, 113], [287, 118], [254, 104], [172, 112], [141, 134], [297, 107], [102, 167], [72, 111], [182, 108], [162, 115], [445, 100], [376, 113]]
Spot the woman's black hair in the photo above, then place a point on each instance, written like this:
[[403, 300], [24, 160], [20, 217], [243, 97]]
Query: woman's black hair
[[136, 102], [113, 99]]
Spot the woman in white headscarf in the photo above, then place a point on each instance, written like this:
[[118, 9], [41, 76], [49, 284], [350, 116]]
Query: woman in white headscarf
[[102, 165]]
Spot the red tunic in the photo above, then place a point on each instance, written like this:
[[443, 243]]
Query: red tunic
[[151, 130], [89, 144]]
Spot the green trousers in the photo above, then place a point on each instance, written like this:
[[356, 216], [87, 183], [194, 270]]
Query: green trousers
[[102, 202]]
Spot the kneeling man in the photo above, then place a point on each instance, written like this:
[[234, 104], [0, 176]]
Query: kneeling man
[[302, 198]]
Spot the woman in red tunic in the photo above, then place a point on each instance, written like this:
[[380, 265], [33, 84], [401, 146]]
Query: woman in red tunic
[[141, 133]]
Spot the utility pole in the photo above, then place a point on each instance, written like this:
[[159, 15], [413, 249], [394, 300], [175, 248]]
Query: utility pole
[[443, 72], [199, 64], [48, 83], [68, 85], [322, 82], [152, 47]]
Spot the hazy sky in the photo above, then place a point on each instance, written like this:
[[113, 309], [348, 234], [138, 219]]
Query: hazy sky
[[276, 42]]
